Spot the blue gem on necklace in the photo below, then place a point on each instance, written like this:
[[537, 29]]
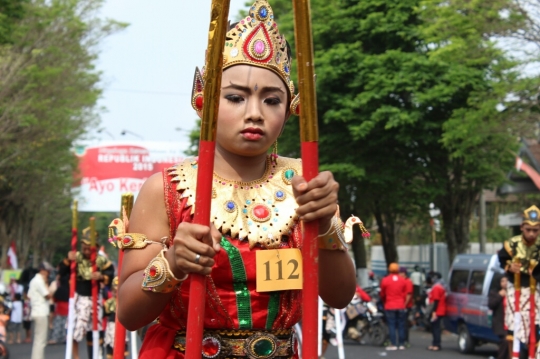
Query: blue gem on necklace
[[230, 206], [279, 195]]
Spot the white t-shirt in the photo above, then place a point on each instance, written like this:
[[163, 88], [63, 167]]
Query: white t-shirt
[[17, 312], [37, 292]]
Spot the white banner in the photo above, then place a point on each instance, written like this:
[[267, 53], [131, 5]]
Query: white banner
[[111, 168]]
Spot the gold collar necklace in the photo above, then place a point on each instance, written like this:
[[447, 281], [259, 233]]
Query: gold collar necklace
[[262, 211]]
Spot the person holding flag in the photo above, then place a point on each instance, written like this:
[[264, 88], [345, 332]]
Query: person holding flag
[[83, 297], [251, 254], [519, 257]]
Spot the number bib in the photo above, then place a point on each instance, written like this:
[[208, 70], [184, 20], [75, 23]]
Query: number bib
[[279, 269]]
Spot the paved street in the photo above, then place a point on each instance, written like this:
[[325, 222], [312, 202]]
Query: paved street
[[419, 340]]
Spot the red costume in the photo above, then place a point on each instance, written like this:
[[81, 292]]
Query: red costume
[[231, 300]]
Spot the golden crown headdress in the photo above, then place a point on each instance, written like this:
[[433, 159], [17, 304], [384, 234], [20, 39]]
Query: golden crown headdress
[[256, 41], [531, 216]]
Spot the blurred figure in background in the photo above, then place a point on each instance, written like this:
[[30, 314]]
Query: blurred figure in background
[[497, 303], [393, 295], [408, 302], [61, 306], [39, 295], [437, 299], [15, 320]]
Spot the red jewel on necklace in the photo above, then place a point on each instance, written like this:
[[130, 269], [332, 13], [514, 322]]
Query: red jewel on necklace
[[260, 213]]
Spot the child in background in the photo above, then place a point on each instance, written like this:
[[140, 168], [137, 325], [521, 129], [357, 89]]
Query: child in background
[[15, 322], [27, 320]]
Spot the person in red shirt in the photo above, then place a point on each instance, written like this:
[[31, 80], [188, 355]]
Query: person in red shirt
[[393, 294], [408, 301], [437, 297]]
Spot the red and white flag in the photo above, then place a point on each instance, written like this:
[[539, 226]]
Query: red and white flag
[[12, 256]]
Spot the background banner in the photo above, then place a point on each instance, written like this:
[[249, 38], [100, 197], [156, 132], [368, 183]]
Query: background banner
[[111, 168]]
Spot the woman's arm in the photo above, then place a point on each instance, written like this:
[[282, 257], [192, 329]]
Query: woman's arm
[[137, 307], [317, 200]]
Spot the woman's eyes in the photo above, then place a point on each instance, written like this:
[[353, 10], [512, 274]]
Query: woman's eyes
[[273, 101], [269, 101], [234, 98]]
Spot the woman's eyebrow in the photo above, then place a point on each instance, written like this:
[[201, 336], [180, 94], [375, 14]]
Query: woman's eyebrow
[[249, 90]]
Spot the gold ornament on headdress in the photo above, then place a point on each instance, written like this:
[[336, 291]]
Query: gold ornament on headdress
[[531, 216], [86, 236], [256, 41]]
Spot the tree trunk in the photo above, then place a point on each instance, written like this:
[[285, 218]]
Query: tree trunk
[[385, 222], [456, 210]]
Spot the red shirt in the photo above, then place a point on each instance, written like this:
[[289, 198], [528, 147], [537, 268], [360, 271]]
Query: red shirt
[[393, 292], [409, 291], [362, 295], [438, 293]]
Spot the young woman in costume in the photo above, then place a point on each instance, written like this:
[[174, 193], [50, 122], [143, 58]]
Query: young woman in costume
[[258, 203]]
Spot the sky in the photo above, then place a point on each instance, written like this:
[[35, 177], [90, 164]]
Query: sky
[[147, 69]]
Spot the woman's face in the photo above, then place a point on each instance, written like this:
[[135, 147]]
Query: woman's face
[[252, 110]]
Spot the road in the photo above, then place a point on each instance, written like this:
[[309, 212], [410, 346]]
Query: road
[[419, 341]]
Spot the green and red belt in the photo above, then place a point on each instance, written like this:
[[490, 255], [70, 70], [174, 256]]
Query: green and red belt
[[230, 344]]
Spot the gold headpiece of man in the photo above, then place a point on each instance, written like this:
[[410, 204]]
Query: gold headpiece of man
[[531, 216], [86, 236], [256, 41]]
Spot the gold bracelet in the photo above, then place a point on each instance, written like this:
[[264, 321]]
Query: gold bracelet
[[333, 239], [158, 277]]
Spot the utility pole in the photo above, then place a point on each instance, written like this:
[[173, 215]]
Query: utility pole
[[482, 218]]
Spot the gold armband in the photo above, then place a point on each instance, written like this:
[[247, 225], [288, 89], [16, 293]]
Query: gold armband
[[135, 241], [333, 239], [158, 276]]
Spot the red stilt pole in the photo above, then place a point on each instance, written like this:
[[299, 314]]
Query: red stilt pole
[[310, 163], [205, 171], [93, 256], [119, 330], [72, 285], [532, 316]]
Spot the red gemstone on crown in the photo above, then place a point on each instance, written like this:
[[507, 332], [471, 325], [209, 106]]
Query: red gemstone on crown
[[115, 221], [210, 347], [261, 212], [152, 271], [199, 102]]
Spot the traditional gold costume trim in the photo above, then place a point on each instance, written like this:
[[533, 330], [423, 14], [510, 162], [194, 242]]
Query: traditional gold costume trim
[[158, 277], [527, 255], [531, 216], [262, 211], [130, 240]]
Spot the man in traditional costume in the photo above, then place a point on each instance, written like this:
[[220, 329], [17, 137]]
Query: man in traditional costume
[[519, 257], [83, 296]]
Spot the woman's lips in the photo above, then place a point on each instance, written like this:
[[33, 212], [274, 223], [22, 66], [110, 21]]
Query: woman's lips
[[252, 134]]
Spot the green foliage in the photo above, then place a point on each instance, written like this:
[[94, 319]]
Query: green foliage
[[416, 105], [48, 94]]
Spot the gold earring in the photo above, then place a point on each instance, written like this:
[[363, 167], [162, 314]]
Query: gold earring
[[274, 154]]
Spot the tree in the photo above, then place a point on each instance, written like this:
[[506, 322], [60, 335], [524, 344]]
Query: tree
[[417, 90], [48, 94]]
